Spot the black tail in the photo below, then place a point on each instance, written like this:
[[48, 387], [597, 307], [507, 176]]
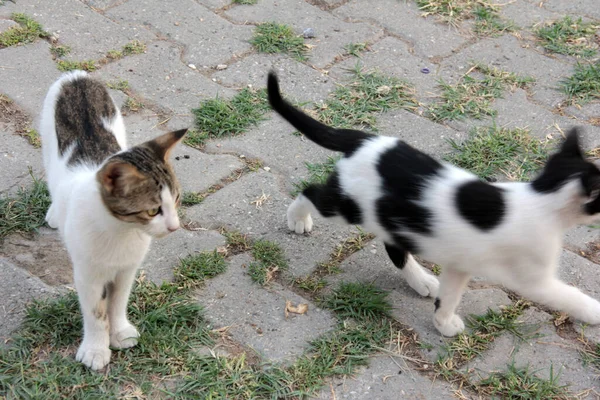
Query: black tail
[[344, 140]]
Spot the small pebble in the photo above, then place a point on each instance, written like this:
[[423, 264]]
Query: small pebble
[[221, 67], [192, 66], [267, 169], [308, 33], [186, 156], [425, 70], [177, 158]]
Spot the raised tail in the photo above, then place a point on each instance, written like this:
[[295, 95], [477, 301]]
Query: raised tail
[[344, 140]]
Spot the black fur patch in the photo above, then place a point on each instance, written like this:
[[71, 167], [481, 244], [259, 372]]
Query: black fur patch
[[108, 288], [404, 170], [330, 200], [437, 303], [481, 204], [397, 255]]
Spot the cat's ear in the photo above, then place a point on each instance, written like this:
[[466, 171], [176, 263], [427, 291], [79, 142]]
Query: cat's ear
[[119, 177], [163, 144], [570, 146]]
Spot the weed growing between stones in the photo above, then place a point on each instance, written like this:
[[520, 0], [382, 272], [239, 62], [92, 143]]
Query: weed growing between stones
[[191, 199], [246, 2], [121, 85], [355, 49], [272, 37], [217, 118], [473, 94], [490, 151], [69, 65], [317, 174], [570, 37], [28, 31], [584, 85], [25, 212], [133, 47], [489, 23], [270, 259], [60, 51], [132, 105], [521, 383]]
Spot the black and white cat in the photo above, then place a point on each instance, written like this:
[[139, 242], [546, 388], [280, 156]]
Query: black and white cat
[[511, 233]]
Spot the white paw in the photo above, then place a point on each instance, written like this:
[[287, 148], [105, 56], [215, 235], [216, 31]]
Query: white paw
[[590, 312], [125, 337], [300, 225], [449, 327], [425, 284], [93, 357]]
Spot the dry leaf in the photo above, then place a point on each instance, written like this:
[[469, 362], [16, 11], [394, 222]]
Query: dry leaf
[[289, 308], [270, 274], [560, 319]]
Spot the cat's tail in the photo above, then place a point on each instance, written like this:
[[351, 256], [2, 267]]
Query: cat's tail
[[344, 140]]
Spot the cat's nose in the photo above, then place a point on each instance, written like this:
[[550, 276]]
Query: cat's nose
[[173, 228]]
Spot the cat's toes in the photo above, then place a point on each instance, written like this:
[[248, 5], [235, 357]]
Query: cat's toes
[[93, 357], [591, 313], [449, 327], [301, 225], [51, 219], [424, 284], [124, 338]]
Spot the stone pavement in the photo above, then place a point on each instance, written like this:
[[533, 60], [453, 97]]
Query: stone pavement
[[198, 50]]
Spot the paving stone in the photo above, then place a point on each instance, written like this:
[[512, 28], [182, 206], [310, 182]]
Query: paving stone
[[394, 57], [30, 63], [17, 156], [332, 33], [6, 24], [165, 253], [543, 354], [232, 207], [102, 4], [579, 237], [181, 21], [298, 81], [585, 111], [89, 34], [18, 288], [260, 322], [273, 142], [42, 254], [418, 131], [430, 39], [583, 274], [372, 265], [580, 7], [216, 4], [526, 15], [169, 83], [510, 54], [386, 378]]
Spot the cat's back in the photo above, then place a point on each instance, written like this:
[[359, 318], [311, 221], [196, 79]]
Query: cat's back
[[80, 123]]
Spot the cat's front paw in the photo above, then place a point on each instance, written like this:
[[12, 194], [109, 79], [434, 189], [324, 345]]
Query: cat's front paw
[[93, 357], [427, 285], [449, 327], [590, 313], [125, 337], [51, 218], [300, 225]]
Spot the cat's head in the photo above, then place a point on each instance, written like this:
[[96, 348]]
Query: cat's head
[[570, 165], [139, 186]]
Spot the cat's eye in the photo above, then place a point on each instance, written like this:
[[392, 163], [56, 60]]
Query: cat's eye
[[153, 211]]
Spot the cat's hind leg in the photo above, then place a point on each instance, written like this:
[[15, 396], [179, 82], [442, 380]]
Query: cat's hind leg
[[93, 351], [122, 333], [452, 285], [415, 275]]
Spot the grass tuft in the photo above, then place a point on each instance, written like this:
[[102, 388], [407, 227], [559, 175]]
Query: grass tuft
[[492, 150], [489, 23], [270, 259], [472, 96], [485, 13], [25, 212], [28, 31], [121, 85], [217, 118], [521, 383], [355, 49], [271, 37], [194, 269], [60, 51], [359, 301], [570, 37], [584, 84], [369, 94], [317, 174], [132, 105], [247, 2], [67, 65]]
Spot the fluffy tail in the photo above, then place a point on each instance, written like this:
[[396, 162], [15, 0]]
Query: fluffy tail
[[344, 140]]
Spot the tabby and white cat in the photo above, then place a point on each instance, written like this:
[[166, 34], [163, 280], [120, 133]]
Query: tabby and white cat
[[511, 233], [107, 202]]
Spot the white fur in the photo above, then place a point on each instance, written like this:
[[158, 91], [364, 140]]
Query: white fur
[[521, 253], [102, 248]]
